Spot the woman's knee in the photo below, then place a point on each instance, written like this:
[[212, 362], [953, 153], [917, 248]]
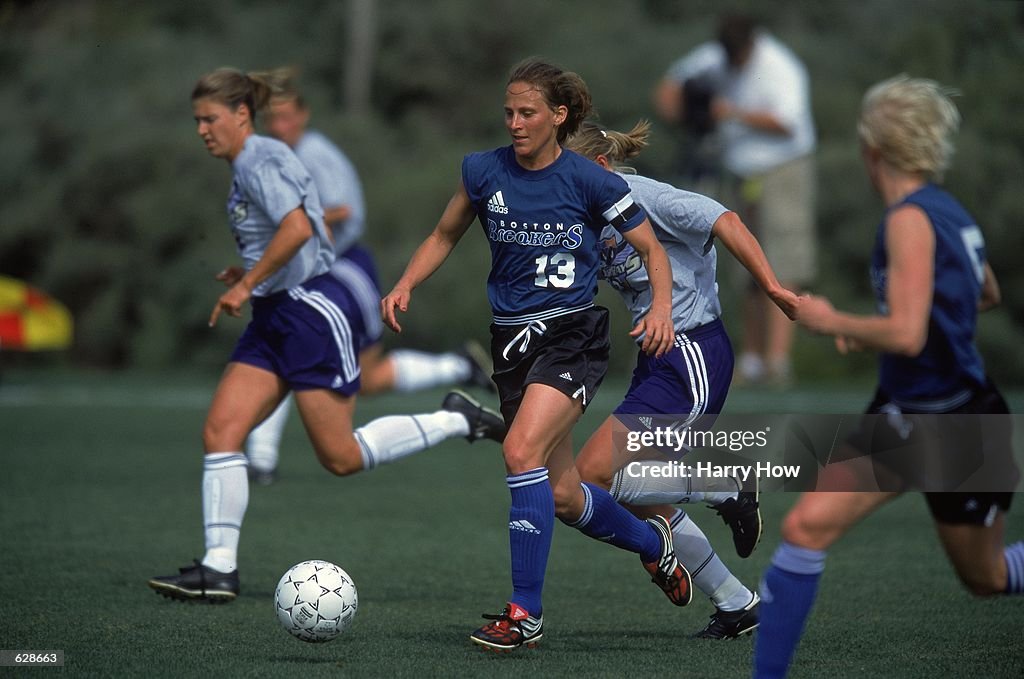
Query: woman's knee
[[520, 457], [222, 435], [341, 459], [806, 528]]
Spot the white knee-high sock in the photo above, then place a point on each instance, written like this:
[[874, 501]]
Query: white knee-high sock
[[707, 570], [265, 440], [391, 438], [416, 370], [225, 497], [651, 483]]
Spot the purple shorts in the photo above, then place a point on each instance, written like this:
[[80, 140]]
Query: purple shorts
[[308, 336], [689, 381], [358, 273]]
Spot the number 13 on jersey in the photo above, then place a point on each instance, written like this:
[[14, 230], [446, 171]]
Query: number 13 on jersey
[[564, 274]]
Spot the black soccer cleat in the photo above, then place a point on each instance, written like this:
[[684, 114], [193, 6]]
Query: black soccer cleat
[[509, 630], [484, 423], [198, 583], [732, 624], [667, 573], [480, 366], [743, 516]]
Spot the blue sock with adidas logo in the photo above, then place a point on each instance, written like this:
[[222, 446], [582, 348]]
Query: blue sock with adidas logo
[[788, 590], [606, 520], [530, 522]]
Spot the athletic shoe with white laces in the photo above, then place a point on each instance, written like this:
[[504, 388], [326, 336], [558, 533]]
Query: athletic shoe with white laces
[[484, 423], [667, 573], [198, 583], [733, 624], [510, 629]]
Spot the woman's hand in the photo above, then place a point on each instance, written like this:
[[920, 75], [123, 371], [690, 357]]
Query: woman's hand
[[845, 345], [230, 275], [787, 300], [658, 333], [231, 301], [816, 314], [396, 299]]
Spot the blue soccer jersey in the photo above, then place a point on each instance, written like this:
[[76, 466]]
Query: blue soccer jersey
[[949, 367], [544, 229]]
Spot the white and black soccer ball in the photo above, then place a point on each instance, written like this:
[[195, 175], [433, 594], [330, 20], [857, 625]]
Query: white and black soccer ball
[[315, 601]]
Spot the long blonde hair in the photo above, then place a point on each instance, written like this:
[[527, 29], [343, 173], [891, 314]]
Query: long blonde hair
[[911, 122], [592, 140]]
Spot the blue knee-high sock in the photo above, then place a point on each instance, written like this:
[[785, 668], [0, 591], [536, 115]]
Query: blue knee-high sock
[[1014, 555], [606, 520], [531, 521], [787, 594]]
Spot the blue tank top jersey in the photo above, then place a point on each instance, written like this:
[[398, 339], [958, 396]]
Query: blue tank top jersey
[[544, 229], [949, 367]]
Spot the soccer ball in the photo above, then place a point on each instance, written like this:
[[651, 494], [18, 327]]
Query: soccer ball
[[315, 601]]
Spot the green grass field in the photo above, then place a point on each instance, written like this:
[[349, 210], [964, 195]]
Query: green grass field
[[99, 490]]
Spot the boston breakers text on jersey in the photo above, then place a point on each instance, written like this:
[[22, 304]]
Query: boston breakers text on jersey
[[543, 228]]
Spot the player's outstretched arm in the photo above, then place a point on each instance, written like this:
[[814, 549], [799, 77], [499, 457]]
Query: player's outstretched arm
[[429, 256], [910, 247], [738, 240], [656, 326]]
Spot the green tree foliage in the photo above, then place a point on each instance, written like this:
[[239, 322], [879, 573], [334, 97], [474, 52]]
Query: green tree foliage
[[111, 204]]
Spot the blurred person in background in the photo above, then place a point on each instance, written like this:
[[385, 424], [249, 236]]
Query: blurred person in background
[[341, 195], [304, 334], [930, 278], [754, 93]]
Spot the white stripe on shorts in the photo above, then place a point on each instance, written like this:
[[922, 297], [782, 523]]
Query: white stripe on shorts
[[365, 292], [339, 327], [698, 371]]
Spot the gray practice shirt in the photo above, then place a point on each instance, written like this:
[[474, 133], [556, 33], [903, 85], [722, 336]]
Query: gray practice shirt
[[338, 184], [269, 182], [682, 222]]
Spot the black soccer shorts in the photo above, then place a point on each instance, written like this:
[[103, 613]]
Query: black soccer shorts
[[568, 353], [913, 451]]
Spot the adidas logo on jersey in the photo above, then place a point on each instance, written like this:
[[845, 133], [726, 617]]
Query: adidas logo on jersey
[[524, 526], [566, 376], [497, 204]]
